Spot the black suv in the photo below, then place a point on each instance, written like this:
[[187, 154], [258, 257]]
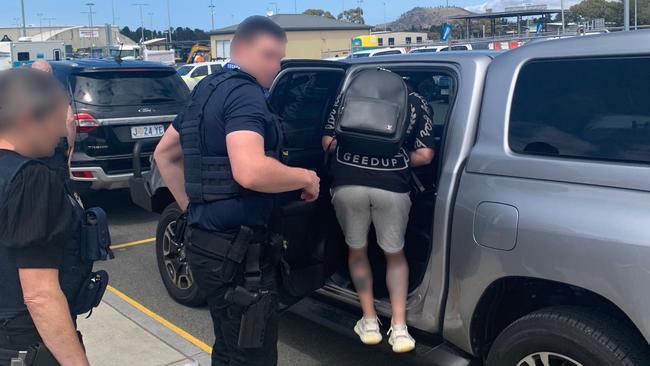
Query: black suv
[[117, 103]]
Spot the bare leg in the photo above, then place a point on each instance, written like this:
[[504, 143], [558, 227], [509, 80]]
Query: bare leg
[[397, 281], [362, 278]]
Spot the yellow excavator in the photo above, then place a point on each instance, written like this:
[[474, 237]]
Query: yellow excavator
[[198, 49]]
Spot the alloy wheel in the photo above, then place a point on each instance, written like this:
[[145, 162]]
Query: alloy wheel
[[548, 359], [175, 260]]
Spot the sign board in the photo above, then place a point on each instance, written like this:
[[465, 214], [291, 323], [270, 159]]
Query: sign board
[[599, 23], [88, 33], [445, 31]]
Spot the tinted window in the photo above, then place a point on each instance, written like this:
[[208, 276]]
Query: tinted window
[[391, 41], [380, 41], [23, 56], [129, 88], [588, 108], [184, 70], [214, 68], [360, 55], [200, 71], [418, 39], [459, 48], [408, 40], [303, 100], [388, 53]]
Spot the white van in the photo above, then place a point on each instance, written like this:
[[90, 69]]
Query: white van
[[193, 73], [378, 52]]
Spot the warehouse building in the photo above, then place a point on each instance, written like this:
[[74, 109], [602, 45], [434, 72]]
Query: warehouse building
[[309, 36], [390, 39], [75, 37]]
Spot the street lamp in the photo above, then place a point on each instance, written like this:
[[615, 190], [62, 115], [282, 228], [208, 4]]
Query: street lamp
[[40, 24], [211, 6], [141, 20], [22, 13], [92, 31], [169, 24]]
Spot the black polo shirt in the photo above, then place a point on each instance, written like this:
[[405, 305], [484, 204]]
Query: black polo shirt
[[237, 105]]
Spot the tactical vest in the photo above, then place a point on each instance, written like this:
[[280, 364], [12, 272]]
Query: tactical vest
[[209, 178], [72, 273]]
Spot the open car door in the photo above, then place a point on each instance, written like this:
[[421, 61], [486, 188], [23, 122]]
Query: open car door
[[302, 95]]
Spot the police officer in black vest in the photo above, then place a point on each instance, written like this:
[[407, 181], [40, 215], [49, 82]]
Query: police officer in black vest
[[220, 158], [39, 253]]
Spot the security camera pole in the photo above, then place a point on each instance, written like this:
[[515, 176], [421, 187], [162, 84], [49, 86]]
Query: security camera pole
[[140, 5]]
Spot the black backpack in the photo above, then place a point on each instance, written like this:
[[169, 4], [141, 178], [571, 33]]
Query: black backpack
[[373, 114]]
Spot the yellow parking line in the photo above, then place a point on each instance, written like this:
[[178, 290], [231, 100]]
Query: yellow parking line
[[174, 328], [132, 243]]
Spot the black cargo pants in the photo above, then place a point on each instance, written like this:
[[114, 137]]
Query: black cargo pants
[[226, 316]]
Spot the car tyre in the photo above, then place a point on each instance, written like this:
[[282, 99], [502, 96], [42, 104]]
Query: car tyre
[[568, 336], [174, 270]]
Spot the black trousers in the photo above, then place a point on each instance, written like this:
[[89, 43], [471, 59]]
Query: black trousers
[[226, 317]]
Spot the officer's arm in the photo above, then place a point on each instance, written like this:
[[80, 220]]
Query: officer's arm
[[169, 159], [48, 308], [253, 170]]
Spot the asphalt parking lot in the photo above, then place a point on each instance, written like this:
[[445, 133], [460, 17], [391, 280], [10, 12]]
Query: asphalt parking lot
[[134, 273]]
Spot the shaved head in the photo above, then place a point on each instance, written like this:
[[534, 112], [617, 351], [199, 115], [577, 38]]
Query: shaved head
[[42, 65]]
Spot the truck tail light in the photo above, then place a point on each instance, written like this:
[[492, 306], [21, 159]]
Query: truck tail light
[[82, 174], [85, 122]]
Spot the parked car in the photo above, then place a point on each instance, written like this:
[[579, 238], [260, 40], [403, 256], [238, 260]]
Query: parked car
[[442, 48], [529, 245], [115, 105], [193, 73], [378, 52]]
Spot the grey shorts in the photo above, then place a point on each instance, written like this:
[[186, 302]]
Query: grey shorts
[[357, 206]]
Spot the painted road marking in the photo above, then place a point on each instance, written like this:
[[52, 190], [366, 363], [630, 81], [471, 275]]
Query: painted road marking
[[166, 323], [133, 243]]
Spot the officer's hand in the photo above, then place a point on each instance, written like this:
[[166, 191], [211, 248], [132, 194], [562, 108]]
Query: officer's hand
[[311, 191]]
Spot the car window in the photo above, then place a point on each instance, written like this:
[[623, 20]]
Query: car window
[[443, 49], [136, 87], [360, 55], [583, 108], [200, 71], [459, 48], [302, 99], [384, 53], [184, 70], [214, 68]]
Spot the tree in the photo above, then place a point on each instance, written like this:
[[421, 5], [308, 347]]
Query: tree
[[319, 12], [352, 15], [611, 11]]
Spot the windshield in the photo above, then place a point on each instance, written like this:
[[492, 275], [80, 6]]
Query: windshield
[[360, 55], [184, 70], [113, 88], [424, 50]]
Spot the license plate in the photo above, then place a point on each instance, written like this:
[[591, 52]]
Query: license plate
[[143, 132]]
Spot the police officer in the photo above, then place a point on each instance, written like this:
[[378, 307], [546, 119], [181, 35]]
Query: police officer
[[219, 159], [36, 225]]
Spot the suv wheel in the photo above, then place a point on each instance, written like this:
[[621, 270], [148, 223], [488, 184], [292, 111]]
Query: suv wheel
[[172, 263], [568, 336]]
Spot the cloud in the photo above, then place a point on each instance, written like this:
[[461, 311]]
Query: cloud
[[500, 5]]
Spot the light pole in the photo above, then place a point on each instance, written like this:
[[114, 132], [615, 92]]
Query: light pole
[[636, 16], [626, 15], [113, 11], [140, 5], [385, 24], [169, 24], [211, 6], [22, 13], [562, 11], [49, 20], [40, 24], [92, 31]]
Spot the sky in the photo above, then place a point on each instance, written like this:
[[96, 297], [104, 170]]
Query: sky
[[196, 13]]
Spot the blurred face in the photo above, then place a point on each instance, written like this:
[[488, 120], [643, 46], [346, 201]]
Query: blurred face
[[38, 135], [260, 57]]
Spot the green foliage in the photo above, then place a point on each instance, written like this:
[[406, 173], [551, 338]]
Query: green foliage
[[178, 34], [611, 11], [319, 12], [352, 15]]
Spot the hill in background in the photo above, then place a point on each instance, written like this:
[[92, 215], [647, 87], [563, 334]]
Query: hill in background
[[423, 18]]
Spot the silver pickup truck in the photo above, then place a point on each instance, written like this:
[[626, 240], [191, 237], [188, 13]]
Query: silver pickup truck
[[530, 243]]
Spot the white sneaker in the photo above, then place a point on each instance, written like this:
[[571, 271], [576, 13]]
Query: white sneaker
[[368, 331], [400, 339]]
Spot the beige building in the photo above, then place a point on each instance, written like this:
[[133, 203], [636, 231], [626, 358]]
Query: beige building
[[390, 39], [309, 36]]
